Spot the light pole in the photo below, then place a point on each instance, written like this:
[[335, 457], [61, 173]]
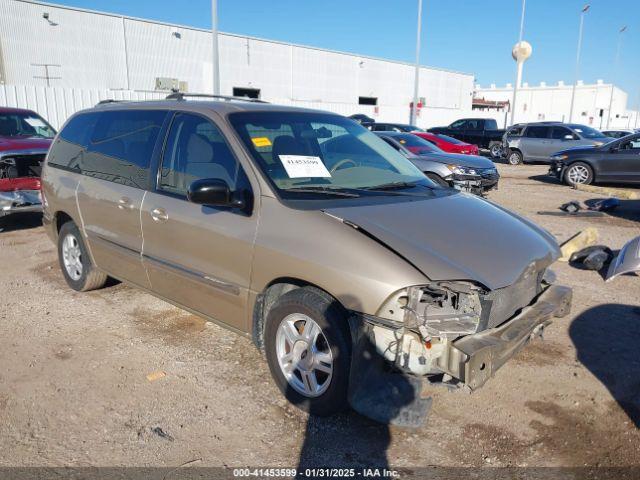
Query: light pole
[[416, 80], [519, 70], [615, 72], [573, 92], [214, 45]]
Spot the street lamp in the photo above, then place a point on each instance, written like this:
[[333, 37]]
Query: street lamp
[[520, 63], [615, 72], [214, 44], [416, 80], [573, 93]]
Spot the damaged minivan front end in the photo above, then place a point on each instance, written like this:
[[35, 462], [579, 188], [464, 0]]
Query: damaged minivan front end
[[455, 334]]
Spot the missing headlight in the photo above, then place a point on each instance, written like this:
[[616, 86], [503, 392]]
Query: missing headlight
[[445, 309]]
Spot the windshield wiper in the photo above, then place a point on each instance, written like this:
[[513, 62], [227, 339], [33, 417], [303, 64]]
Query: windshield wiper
[[338, 192], [392, 186]]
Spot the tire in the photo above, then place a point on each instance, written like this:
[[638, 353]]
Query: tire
[[437, 179], [75, 263], [515, 157], [578, 173], [284, 337], [496, 149]]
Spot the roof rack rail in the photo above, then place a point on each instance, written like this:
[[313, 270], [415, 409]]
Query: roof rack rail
[[227, 98], [108, 100]]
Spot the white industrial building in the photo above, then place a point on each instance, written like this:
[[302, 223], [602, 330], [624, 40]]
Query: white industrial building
[[58, 59], [552, 102]]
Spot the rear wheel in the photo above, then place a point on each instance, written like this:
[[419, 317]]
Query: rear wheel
[[308, 349], [514, 157], [496, 149], [76, 266], [578, 173]]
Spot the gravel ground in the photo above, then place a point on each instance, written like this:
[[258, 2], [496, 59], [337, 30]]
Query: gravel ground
[[74, 388]]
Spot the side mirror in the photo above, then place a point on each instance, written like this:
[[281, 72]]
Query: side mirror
[[213, 192], [568, 137]]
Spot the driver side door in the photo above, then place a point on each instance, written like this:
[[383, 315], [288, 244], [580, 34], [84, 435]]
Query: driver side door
[[623, 164]]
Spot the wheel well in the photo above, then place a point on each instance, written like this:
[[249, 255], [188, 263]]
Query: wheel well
[[267, 298], [61, 218]]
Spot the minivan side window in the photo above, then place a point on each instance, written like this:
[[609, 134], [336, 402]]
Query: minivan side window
[[196, 149], [558, 133], [537, 132], [121, 146], [72, 140]]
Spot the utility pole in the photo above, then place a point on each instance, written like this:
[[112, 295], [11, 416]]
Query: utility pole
[[214, 44], [616, 62], [520, 64], [573, 92], [414, 105]]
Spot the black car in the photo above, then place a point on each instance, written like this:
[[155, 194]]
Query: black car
[[615, 162], [483, 132], [362, 118], [394, 127]]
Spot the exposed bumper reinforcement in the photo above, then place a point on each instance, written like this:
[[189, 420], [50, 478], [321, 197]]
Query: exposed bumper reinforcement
[[20, 201], [475, 358]]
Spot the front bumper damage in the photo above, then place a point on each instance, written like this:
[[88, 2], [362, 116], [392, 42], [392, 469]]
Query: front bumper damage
[[20, 201], [392, 365], [476, 184]]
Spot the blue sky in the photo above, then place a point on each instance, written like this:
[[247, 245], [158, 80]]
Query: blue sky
[[473, 36]]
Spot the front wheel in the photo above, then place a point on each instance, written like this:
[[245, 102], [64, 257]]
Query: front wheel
[[76, 266], [514, 157], [308, 349], [578, 173]]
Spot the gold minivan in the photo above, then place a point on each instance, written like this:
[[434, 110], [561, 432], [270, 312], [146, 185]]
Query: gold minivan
[[363, 282]]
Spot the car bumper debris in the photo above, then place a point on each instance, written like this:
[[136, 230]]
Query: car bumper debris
[[20, 201]]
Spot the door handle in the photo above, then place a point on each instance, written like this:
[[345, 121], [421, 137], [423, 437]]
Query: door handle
[[159, 215], [125, 203]]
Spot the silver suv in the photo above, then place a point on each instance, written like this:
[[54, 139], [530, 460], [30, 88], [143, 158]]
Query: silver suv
[[537, 142]]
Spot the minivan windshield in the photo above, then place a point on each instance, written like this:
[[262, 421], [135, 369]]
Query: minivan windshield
[[24, 124], [588, 132], [307, 153]]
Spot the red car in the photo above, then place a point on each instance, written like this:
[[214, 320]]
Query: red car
[[448, 144], [24, 141]]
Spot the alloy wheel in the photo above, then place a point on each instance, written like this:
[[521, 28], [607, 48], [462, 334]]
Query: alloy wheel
[[303, 354], [578, 174], [72, 257]]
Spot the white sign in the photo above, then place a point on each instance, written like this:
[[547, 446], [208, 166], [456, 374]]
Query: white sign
[[35, 122], [302, 166]]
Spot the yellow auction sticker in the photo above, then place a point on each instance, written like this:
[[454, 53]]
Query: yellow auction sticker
[[261, 142]]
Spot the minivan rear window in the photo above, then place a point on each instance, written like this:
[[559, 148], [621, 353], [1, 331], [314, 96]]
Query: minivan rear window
[[121, 146]]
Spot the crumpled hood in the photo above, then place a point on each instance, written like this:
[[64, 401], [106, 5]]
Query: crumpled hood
[[474, 161], [457, 237], [24, 143]]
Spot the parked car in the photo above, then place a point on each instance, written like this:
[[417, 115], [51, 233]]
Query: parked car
[[448, 144], [358, 277], [362, 118], [394, 127], [615, 162], [472, 174], [24, 140], [617, 133], [537, 142], [483, 132]]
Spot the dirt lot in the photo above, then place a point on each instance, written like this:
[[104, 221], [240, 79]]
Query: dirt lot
[[74, 391]]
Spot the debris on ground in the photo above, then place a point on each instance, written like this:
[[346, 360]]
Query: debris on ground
[[571, 207], [594, 257], [627, 260], [606, 205], [161, 433], [583, 239], [153, 376]]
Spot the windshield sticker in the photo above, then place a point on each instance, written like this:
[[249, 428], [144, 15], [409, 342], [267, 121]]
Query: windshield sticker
[[301, 166], [261, 142], [35, 122]]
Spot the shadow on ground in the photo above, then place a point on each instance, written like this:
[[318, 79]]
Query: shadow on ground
[[20, 221], [607, 341]]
